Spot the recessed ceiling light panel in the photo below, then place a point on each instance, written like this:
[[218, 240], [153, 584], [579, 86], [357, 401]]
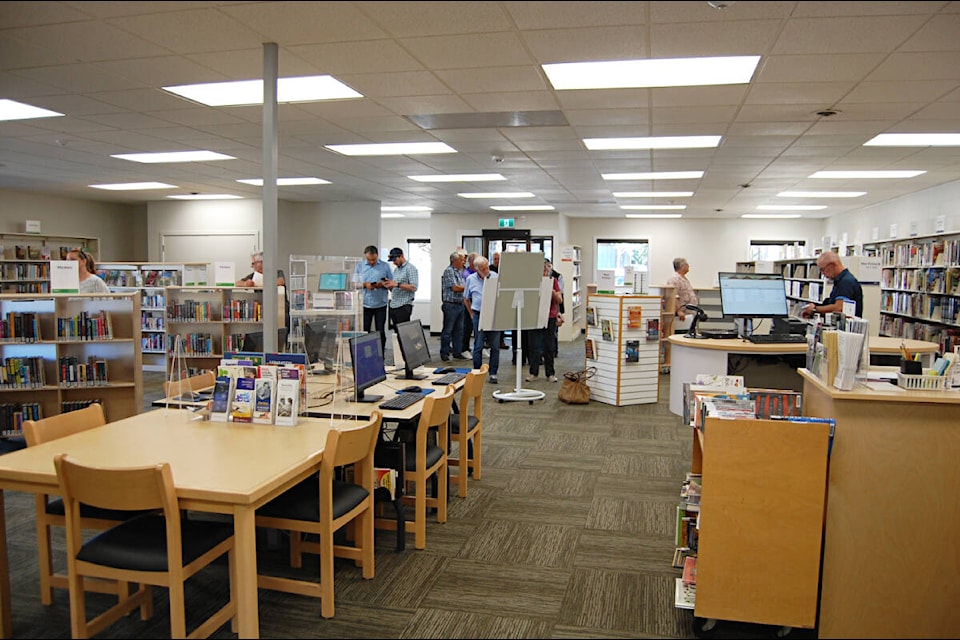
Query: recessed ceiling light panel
[[173, 156], [666, 72], [250, 92], [661, 142], [13, 110], [462, 177], [391, 149]]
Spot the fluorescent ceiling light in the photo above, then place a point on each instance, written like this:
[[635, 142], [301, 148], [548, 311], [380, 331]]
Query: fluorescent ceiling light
[[406, 208], [662, 142], [502, 194], [914, 140], [249, 92], [463, 177], [285, 182], [525, 207], [791, 207], [13, 110], [654, 175], [173, 156], [133, 186], [653, 207], [769, 216], [391, 149], [392, 215], [821, 194], [653, 215], [847, 175], [668, 72], [206, 196], [652, 194]]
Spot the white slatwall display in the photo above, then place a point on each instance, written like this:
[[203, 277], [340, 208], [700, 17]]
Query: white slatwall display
[[619, 382]]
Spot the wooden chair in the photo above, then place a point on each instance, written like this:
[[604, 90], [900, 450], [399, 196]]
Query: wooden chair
[[173, 388], [425, 460], [322, 505], [151, 549], [50, 510], [466, 429]]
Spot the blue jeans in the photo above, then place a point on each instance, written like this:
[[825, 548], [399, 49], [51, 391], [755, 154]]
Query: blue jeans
[[478, 340], [452, 333]]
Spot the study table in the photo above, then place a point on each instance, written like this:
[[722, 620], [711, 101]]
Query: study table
[[218, 467], [776, 364]]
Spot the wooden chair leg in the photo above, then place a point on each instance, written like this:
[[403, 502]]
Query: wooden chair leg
[[326, 575], [44, 537], [477, 451]]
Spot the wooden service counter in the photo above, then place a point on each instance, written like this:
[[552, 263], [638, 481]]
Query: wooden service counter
[[891, 548]]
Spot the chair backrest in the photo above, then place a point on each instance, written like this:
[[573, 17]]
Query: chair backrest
[[203, 380], [352, 446], [472, 393], [64, 424], [436, 412]]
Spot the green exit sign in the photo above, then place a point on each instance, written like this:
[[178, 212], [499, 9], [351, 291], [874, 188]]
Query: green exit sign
[[507, 223]]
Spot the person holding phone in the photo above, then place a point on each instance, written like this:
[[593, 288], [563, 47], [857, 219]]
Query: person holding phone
[[372, 275]]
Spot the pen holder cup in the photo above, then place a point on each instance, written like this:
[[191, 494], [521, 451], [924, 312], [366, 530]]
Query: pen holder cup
[[911, 367]]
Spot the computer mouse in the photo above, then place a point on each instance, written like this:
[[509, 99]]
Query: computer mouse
[[447, 370], [412, 389]]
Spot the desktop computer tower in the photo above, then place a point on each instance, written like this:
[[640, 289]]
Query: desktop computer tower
[[789, 325]]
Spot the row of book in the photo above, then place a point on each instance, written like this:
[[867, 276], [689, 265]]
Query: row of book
[[245, 311], [193, 344], [40, 270], [38, 252], [85, 326], [922, 254], [90, 372], [12, 415], [22, 372], [152, 342], [20, 326], [193, 311]]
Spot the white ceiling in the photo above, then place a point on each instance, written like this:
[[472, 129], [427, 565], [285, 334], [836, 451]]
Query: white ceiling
[[883, 66]]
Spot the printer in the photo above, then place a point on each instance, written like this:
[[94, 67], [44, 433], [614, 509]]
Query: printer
[[789, 325]]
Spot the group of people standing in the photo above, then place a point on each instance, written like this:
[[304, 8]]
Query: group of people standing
[[386, 289]]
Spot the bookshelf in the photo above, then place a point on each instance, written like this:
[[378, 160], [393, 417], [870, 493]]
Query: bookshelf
[[149, 279], [709, 300], [668, 311], [62, 351], [804, 284], [920, 289], [209, 321], [569, 267], [25, 259], [308, 303], [758, 557], [618, 381]]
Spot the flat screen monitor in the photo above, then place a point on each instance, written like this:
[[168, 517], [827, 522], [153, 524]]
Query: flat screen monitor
[[413, 347], [320, 344], [366, 356], [253, 342], [333, 282], [753, 295]]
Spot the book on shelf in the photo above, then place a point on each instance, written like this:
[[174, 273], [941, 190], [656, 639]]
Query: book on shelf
[[385, 478], [590, 349], [689, 570], [776, 402], [288, 396], [679, 554], [222, 392], [632, 351], [33, 252], [241, 408], [591, 316], [634, 316], [685, 596], [20, 252], [606, 327], [653, 329]]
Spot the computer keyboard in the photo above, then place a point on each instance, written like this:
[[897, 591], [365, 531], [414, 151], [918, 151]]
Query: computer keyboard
[[778, 338], [449, 378], [401, 401]]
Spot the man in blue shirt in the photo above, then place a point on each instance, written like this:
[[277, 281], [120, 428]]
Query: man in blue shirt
[[372, 275], [845, 286], [451, 293], [472, 300]]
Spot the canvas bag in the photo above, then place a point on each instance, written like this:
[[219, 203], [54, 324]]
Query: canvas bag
[[574, 389]]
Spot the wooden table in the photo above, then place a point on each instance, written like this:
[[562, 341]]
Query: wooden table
[[226, 468]]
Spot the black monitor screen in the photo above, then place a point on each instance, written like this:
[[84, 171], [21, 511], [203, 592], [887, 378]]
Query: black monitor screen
[[319, 343], [413, 347], [366, 355], [253, 342], [332, 282], [753, 295]]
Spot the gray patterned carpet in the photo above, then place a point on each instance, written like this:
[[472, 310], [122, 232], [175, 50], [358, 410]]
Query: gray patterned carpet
[[568, 535]]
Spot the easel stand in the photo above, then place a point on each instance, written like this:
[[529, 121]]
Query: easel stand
[[519, 394]]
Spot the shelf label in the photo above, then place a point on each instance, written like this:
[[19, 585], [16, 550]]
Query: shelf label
[[893, 230], [64, 276], [224, 275], [940, 224], [31, 226]]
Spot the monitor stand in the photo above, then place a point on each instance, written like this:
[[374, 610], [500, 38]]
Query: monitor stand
[[409, 374], [365, 397]]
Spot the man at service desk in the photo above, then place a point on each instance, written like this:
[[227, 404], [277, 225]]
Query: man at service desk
[[684, 291], [845, 286]]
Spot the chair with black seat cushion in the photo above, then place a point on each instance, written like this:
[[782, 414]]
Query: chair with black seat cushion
[[50, 511], [466, 429], [425, 459], [157, 549], [323, 504]]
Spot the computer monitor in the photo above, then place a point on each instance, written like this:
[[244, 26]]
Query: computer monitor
[[253, 342], [366, 356], [753, 295], [320, 343], [413, 347], [332, 282]]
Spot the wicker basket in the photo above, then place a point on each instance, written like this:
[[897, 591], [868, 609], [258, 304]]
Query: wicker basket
[[923, 381]]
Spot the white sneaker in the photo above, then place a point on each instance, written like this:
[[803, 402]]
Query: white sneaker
[[464, 356], [530, 377], [494, 380], [552, 378]]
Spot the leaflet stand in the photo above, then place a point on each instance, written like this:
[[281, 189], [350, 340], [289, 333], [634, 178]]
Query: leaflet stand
[[521, 298]]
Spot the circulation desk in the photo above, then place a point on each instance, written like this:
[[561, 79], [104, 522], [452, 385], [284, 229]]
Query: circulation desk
[[768, 366], [891, 549]]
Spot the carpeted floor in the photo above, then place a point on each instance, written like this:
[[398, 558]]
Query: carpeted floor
[[569, 534]]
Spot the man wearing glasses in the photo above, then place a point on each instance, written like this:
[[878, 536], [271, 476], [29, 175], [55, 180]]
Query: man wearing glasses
[[845, 287]]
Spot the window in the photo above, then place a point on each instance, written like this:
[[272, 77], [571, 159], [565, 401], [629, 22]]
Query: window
[[775, 249], [617, 254], [418, 252]]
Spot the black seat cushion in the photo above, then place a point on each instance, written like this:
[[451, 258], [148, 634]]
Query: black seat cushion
[[434, 453], [55, 508], [302, 502], [140, 543], [472, 422]]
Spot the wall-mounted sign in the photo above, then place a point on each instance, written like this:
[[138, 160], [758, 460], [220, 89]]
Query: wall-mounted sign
[[507, 223]]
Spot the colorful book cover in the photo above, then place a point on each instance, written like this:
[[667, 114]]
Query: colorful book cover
[[689, 570], [606, 326], [590, 349], [288, 396], [222, 390], [632, 351], [264, 400], [653, 329], [591, 316], [634, 317], [241, 408]]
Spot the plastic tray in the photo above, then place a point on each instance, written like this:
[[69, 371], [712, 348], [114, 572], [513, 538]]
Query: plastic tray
[[923, 381]]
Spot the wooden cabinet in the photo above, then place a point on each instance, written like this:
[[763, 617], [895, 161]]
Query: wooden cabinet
[[920, 289], [625, 339], [25, 259], [209, 321], [574, 294], [149, 279], [62, 351], [761, 519]]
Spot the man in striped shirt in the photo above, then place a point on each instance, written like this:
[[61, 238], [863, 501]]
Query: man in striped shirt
[[403, 286]]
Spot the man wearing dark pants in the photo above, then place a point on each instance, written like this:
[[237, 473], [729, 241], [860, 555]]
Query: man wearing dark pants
[[372, 275], [451, 292], [402, 287], [473, 300]]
